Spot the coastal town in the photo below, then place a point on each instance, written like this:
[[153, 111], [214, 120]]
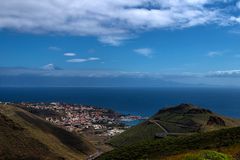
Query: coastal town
[[82, 119]]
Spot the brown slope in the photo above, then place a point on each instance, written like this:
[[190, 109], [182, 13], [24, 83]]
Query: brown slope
[[26, 136]]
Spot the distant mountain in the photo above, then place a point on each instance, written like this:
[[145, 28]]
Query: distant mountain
[[51, 67], [183, 119], [25, 136], [75, 81]]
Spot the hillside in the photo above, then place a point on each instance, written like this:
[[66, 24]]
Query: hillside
[[26, 136], [225, 141], [183, 119]]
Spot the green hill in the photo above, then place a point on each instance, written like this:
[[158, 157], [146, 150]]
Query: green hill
[[180, 120], [225, 141], [206, 155], [26, 136]]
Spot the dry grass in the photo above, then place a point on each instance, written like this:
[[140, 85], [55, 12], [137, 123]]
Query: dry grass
[[58, 141]]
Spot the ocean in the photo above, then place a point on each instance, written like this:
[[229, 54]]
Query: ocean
[[137, 101]]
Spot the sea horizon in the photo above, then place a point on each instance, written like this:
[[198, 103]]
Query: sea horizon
[[143, 101]]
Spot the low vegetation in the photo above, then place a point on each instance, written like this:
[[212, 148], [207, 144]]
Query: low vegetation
[[160, 149], [208, 155], [25, 136], [183, 119], [213, 137]]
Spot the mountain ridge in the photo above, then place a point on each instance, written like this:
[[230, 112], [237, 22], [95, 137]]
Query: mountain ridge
[[183, 119]]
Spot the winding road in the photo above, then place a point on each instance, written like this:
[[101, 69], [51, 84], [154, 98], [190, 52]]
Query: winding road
[[165, 130]]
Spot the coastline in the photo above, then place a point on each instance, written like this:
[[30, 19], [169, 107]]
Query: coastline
[[136, 101], [81, 118]]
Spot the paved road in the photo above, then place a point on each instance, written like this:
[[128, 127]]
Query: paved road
[[95, 155], [159, 125], [165, 130]]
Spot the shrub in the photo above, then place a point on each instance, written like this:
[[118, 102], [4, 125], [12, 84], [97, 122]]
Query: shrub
[[208, 155]]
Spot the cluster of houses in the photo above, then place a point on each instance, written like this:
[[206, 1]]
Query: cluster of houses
[[79, 118]]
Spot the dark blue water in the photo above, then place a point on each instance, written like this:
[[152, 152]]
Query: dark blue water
[[140, 101]]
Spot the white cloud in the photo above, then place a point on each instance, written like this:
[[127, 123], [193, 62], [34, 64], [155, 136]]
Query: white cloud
[[214, 54], [113, 20], [238, 4], [81, 60], [144, 51], [225, 74], [223, 78], [235, 19], [70, 54], [93, 59]]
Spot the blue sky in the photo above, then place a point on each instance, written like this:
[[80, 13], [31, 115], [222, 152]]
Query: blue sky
[[177, 40]]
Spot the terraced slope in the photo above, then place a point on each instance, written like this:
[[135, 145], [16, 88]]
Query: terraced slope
[[180, 120], [176, 148]]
